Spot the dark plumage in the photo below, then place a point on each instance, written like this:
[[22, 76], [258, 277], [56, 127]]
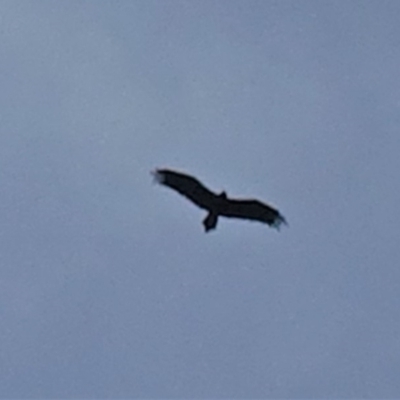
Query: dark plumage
[[218, 205]]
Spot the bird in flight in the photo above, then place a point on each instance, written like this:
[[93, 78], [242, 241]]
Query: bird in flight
[[218, 204]]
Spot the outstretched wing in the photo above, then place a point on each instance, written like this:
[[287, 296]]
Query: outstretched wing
[[186, 185], [253, 210]]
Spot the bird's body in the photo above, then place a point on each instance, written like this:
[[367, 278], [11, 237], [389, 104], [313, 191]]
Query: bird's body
[[218, 205]]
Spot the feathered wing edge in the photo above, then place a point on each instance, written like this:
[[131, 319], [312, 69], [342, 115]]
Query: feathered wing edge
[[157, 177], [279, 220], [254, 210], [187, 186]]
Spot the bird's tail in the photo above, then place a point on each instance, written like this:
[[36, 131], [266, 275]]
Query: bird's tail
[[210, 222]]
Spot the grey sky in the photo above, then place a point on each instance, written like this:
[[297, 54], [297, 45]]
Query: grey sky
[[108, 285]]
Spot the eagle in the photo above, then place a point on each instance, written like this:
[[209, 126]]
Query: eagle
[[218, 204]]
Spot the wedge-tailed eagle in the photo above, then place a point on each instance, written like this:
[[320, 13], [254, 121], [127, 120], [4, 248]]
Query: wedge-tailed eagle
[[218, 204]]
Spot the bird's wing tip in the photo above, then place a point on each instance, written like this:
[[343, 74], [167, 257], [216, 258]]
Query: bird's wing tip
[[157, 176], [280, 221]]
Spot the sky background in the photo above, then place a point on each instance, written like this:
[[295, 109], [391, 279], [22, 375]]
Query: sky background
[[109, 288]]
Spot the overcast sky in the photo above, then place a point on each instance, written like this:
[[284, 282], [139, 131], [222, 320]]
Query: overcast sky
[[109, 288]]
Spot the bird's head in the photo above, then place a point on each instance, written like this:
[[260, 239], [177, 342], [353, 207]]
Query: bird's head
[[223, 195]]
